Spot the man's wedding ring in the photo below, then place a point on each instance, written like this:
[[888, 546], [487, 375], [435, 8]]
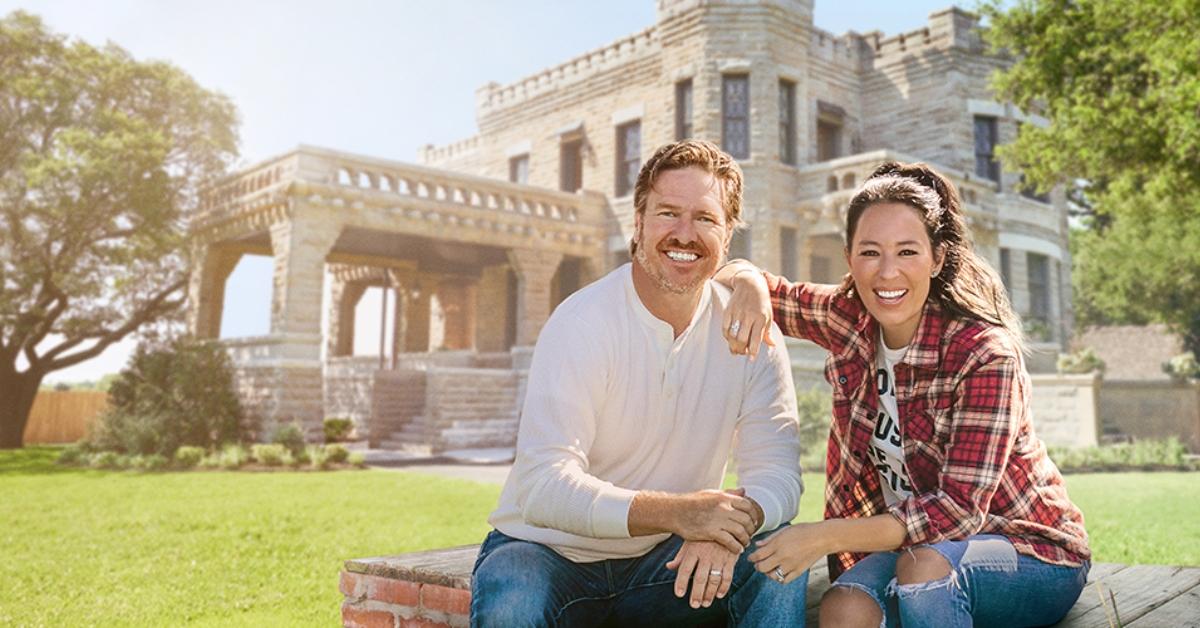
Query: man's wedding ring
[[714, 573], [779, 575], [735, 327]]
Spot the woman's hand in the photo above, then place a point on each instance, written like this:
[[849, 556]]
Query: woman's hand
[[791, 551], [747, 320]]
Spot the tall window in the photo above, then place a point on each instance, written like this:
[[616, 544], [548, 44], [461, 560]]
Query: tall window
[[830, 119], [787, 122], [739, 245], [1038, 268], [787, 252], [986, 137], [735, 115], [570, 165], [683, 109], [1006, 270], [629, 156], [518, 168]]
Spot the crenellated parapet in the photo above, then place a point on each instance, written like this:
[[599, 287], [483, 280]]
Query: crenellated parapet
[[493, 96]]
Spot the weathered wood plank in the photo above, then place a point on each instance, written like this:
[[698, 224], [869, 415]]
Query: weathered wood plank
[[1138, 589], [1182, 611], [445, 567]]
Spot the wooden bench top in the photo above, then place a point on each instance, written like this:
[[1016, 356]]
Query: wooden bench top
[[1144, 595]]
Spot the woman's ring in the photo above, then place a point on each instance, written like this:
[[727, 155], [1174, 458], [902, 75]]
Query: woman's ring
[[779, 575], [735, 327]]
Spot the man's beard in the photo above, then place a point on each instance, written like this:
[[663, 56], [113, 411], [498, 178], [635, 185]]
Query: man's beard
[[655, 270]]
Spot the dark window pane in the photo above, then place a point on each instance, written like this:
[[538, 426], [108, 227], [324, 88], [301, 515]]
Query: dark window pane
[[570, 174], [683, 109], [819, 269], [1006, 269], [735, 115], [518, 169], [787, 122], [739, 245], [1038, 268], [629, 156], [829, 140], [986, 165]]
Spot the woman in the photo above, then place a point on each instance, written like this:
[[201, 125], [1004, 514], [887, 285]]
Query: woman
[[941, 506]]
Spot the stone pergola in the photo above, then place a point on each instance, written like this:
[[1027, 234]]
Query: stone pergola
[[497, 255]]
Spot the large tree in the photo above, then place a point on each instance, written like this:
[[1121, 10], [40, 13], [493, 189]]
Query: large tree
[[1120, 84], [101, 160]]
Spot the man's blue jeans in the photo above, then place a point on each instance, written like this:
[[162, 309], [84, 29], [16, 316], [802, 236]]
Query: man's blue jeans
[[519, 583], [990, 584]]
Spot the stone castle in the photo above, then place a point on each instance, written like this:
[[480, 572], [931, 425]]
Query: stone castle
[[478, 243]]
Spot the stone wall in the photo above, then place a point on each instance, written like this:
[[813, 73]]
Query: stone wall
[[1065, 409], [1152, 410]]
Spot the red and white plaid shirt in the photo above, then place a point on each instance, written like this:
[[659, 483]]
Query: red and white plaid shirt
[[975, 464]]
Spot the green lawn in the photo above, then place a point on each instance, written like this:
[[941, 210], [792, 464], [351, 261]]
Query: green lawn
[[87, 547]]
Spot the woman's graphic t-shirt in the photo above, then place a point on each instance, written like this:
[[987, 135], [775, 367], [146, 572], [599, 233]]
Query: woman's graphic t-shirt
[[886, 452]]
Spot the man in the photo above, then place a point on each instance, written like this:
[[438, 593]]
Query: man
[[612, 510]]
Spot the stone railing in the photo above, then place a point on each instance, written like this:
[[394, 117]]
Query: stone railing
[[434, 194], [829, 185]]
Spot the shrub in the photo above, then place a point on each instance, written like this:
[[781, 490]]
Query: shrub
[[1168, 453], [104, 460], [211, 461], [338, 429], [73, 455], [336, 454], [188, 456], [358, 459], [290, 436], [317, 457], [1081, 362], [168, 396], [233, 456], [151, 462], [270, 455], [1182, 367]]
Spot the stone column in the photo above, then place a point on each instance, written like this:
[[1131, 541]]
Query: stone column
[[417, 314], [491, 304], [299, 247], [344, 296], [534, 270], [212, 266]]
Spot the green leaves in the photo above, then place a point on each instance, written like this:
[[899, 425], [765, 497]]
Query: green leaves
[[1120, 84], [101, 160]]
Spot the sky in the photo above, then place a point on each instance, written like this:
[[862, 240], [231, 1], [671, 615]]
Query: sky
[[376, 78]]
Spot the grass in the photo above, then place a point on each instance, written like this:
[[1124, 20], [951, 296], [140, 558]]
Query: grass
[[112, 548]]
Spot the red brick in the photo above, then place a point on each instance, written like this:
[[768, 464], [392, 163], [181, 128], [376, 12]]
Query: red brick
[[392, 591], [421, 622], [353, 617], [347, 582], [453, 601]]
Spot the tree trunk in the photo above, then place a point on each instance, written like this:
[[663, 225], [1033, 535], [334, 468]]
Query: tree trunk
[[17, 391]]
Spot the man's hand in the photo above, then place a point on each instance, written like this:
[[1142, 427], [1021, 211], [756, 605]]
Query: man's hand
[[710, 568], [726, 517]]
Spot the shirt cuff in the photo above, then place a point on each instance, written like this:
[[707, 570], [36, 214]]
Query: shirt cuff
[[772, 510], [610, 513]]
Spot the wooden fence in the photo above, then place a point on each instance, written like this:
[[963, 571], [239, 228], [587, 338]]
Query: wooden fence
[[63, 416]]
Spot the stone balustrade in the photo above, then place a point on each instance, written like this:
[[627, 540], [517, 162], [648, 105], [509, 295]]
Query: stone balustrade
[[452, 198]]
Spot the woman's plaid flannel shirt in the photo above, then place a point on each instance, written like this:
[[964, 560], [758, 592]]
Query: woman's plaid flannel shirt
[[975, 464]]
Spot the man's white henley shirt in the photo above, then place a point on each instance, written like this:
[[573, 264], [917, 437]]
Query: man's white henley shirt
[[615, 404]]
